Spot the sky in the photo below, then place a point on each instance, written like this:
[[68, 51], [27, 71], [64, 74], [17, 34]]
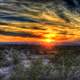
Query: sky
[[39, 21]]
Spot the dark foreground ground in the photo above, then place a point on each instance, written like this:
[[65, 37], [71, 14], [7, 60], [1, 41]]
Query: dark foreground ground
[[29, 62]]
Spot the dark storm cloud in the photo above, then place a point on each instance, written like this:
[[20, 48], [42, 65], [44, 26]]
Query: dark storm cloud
[[73, 3], [21, 6], [19, 34], [22, 19]]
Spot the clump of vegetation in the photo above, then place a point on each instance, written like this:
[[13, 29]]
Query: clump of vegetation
[[20, 65]]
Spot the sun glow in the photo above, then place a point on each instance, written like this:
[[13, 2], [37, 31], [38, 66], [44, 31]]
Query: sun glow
[[49, 37], [48, 40]]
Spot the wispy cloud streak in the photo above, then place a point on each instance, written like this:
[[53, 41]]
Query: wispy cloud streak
[[29, 20]]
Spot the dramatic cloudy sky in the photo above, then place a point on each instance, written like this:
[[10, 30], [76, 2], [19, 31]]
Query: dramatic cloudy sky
[[39, 20]]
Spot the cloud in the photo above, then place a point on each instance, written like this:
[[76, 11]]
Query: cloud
[[36, 18]]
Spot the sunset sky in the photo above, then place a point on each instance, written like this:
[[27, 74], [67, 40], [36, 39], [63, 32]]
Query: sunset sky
[[39, 21]]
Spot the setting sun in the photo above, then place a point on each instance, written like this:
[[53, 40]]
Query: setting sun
[[49, 37], [48, 40]]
